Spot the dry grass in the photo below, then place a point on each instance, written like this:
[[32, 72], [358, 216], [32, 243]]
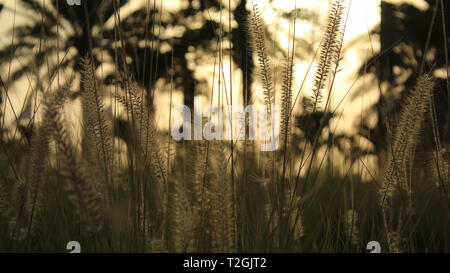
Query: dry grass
[[217, 196]]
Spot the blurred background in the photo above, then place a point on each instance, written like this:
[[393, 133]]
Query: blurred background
[[177, 50], [185, 32]]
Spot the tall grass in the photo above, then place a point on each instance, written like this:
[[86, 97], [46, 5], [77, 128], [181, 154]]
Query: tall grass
[[217, 196]]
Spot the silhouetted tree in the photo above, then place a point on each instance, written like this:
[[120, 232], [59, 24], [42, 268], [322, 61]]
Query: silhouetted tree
[[142, 44], [55, 28], [412, 43]]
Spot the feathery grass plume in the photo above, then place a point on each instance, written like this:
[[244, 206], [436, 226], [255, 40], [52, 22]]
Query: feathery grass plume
[[394, 242], [222, 217], [158, 246], [329, 51], [405, 138], [351, 229], [438, 167], [147, 151], [285, 220], [97, 130], [28, 193], [80, 191], [169, 152], [5, 200], [285, 135], [247, 63], [286, 101], [38, 159], [39, 152], [259, 44], [18, 223], [190, 161], [201, 172], [202, 198], [182, 218], [7, 204], [145, 130], [196, 171]]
